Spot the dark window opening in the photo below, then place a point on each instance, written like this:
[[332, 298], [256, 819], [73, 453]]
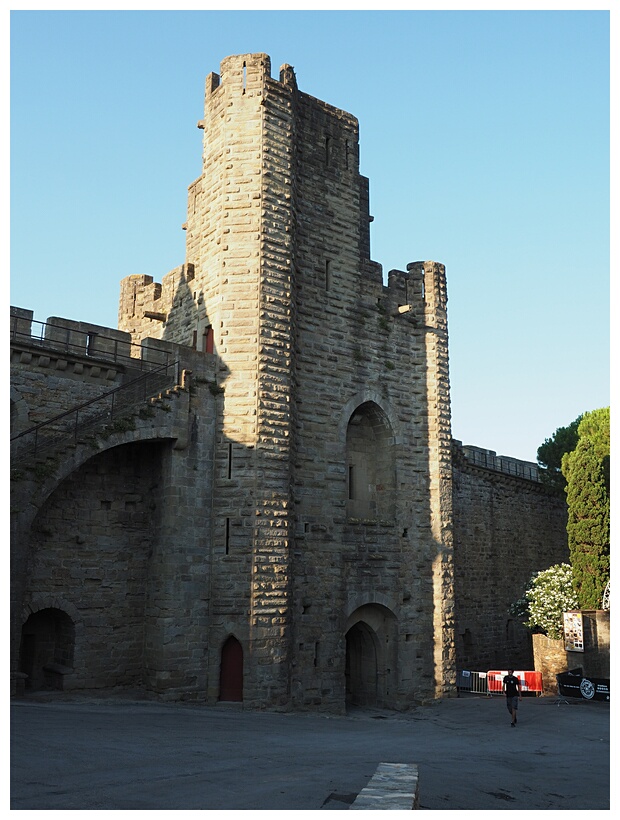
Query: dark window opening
[[371, 464], [207, 339]]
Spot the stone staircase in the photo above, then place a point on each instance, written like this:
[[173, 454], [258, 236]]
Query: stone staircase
[[114, 411]]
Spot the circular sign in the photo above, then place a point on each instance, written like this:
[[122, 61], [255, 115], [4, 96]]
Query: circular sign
[[587, 689]]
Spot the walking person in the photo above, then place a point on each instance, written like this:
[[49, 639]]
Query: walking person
[[512, 687]]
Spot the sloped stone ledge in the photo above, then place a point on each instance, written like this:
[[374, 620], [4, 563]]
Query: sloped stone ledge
[[393, 786]]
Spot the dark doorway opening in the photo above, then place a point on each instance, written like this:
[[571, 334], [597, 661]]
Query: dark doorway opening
[[46, 650], [361, 665], [231, 671]]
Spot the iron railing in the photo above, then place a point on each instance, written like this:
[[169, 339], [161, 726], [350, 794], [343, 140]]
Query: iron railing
[[73, 341], [67, 427]]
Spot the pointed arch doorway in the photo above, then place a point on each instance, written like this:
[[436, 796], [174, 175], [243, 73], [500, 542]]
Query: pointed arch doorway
[[231, 671], [371, 661]]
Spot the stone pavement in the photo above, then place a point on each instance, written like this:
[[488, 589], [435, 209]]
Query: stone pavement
[[77, 752]]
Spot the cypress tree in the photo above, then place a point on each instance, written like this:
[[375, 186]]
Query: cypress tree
[[586, 470]]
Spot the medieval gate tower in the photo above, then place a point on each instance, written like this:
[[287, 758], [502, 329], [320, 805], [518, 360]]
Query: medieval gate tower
[[331, 511], [276, 526]]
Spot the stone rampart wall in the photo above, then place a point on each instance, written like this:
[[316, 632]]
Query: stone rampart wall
[[506, 528], [114, 530], [53, 367]]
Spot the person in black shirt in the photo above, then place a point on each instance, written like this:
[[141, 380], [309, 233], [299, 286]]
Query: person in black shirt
[[512, 688]]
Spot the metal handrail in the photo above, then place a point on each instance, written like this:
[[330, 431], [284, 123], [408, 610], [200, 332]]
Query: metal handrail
[[46, 336], [102, 408]]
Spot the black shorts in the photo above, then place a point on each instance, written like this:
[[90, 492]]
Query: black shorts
[[512, 702]]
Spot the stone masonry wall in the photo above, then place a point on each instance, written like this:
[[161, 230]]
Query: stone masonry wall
[[98, 561], [353, 347], [52, 369], [303, 497], [306, 332], [115, 531], [506, 528], [551, 657]]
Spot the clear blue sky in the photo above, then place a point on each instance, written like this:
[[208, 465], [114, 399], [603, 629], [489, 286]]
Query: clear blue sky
[[485, 135]]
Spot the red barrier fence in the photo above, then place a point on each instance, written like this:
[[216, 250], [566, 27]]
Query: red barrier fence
[[530, 681]]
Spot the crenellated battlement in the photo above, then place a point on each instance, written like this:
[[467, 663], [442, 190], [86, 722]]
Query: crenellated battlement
[[417, 294], [247, 74], [489, 460], [154, 309], [73, 346]]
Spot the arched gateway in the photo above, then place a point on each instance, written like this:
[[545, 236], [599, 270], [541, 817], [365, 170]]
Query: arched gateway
[[47, 644], [371, 660]]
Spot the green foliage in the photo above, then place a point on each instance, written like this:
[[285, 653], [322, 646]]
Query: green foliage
[[120, 425], [552, 450], [549, 594], [587, 473], [384, 323]]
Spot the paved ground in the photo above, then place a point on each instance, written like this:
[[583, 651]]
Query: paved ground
[[111, 753]]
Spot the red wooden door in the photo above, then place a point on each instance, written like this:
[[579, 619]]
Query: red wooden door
[[231, 671]]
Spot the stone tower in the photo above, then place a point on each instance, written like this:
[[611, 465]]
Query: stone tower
[[330, 535]]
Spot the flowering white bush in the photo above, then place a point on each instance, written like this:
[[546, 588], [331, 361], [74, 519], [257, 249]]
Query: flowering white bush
[[550, 593]]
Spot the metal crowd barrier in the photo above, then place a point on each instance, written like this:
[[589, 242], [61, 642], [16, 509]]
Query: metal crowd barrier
[[530, 681], [490, 683], [476, 682]]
